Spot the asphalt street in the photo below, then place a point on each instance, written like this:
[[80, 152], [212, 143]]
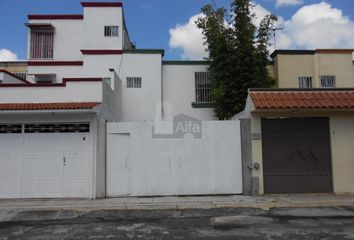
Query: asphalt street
[[193, 224]]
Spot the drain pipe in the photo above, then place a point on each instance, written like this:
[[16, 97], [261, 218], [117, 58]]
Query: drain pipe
[[162, 109]]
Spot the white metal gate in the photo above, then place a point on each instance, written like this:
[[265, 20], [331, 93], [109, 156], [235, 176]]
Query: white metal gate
[[45, 161], [139, 164]]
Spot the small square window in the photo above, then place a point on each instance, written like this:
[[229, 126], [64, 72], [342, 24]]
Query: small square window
[[328, 81], [133, 82], [111, 31], [305, 82]]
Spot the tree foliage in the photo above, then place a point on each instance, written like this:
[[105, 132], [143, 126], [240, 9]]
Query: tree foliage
[[237, 52]]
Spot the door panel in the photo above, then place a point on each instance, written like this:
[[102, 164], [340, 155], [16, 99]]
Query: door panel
[[10, 162], [42, 166], [296, 155], [77, 156], [119, 165]]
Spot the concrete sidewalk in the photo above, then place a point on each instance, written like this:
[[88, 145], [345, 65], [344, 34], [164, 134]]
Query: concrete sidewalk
[[180, 203]]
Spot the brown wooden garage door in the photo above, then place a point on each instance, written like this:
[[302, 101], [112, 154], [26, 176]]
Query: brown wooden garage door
[[296, 155]]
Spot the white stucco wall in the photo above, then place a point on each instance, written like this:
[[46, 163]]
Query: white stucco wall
[[60, 72], [95, 18], [99, 65], [68, 39], [173, 84], [140, 165], [5, 78], [72, 92], [110, 104], [141, 104], [179, 91]]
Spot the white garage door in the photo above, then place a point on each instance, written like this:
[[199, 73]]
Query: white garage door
[[45, 160]]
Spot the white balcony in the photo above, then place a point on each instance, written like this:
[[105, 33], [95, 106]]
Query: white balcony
[[70, 90]]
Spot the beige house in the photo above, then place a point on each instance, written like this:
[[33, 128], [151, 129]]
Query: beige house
[[302, 131], [313, 68]]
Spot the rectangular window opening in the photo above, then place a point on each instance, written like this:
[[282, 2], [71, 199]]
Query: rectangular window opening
[[133, 82], [111, 31], [45, 78], [203, 87], [305, 82], [10, 128], [41, 44], [328, 81], [57, 128]]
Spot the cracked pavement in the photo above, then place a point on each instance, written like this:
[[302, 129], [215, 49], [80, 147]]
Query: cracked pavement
[[311, 224]]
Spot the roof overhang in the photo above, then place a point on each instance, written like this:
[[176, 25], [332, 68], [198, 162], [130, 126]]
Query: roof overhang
[[262, 100], [101, 4], [49, 107], [56, 17], [49, 112], [310, 52], [40, 26]]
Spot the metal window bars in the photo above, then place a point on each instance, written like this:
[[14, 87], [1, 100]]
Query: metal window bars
[[328, 81], [41, 44], [111, 31], [133, 82], [305, 82], [203, 87]]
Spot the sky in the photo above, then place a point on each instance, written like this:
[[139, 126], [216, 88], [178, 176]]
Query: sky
[[169, 24]]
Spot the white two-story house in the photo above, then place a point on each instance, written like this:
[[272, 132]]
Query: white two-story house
[[82, 72]]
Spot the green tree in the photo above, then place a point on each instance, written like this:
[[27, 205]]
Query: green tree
[[263, 77], [238, 56]]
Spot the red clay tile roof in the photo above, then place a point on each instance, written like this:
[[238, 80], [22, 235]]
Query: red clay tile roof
[[302, 99], [47, 106]]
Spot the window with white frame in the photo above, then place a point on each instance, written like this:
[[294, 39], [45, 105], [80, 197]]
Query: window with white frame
[[111, 31], [203, 87], [133, 82], [305, 82], [328, 81], [41, 43]]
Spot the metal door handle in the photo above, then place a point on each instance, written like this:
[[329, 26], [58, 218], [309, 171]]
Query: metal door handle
[[64, 161]]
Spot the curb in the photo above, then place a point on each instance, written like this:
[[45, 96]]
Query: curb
[[180, 206]]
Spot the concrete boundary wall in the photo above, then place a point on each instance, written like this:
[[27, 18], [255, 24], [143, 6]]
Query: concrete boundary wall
[[141, 164], [247, 163]]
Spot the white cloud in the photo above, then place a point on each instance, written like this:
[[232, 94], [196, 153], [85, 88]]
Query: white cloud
[[281, 3], [317, 26], [189, 38], [312, 26], [7, 55], [260, 12]]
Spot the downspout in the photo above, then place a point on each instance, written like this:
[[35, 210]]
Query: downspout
[[162, 109], [105, 161]]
